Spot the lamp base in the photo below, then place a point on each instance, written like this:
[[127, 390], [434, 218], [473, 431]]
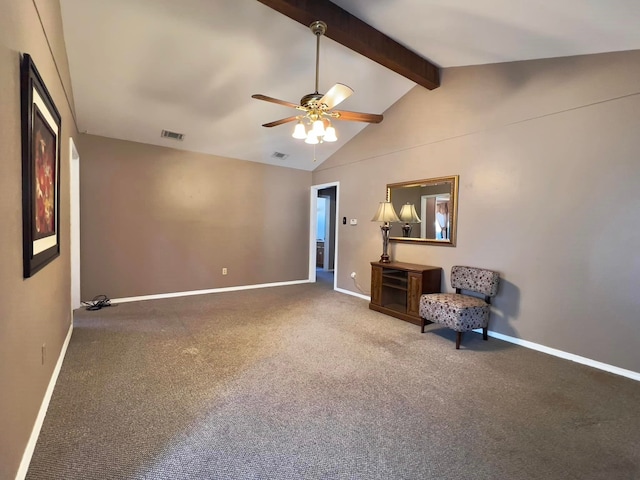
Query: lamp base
[[384, 258]]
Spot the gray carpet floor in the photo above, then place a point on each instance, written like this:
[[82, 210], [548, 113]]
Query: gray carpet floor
[[301, 382]]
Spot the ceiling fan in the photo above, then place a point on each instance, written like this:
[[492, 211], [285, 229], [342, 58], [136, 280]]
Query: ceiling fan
[[318, 108]]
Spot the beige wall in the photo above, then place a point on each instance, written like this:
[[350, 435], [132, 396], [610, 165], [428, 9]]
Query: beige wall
[[548, 157], [157, 220], [33, 311]]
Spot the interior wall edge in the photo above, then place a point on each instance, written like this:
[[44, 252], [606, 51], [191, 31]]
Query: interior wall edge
[[68, 93]]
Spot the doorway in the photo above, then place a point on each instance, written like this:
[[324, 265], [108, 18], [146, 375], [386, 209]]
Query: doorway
[[323, 233]]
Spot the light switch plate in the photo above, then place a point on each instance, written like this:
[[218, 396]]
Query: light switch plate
[[353, 221]]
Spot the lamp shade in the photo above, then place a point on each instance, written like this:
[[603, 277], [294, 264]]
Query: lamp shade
[[330, 135], [312, 139], [318, 128], [408, 213], [299, 132], [385, 213]]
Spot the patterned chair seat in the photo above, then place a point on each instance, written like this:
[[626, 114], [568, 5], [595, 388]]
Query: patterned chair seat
[[462, 312]]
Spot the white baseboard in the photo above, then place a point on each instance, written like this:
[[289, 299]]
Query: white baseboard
[[354, 294], [204, 292], [35, 432], [567, 356], [541, 348]]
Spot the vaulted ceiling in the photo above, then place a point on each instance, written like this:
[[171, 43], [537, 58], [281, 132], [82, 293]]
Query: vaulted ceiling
[[141, 66]]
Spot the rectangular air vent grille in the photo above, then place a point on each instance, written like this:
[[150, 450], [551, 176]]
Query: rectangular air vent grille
[[279, 155], [172, 135]]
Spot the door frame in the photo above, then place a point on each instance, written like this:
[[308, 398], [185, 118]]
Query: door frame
[[74, 188], [313, 233]]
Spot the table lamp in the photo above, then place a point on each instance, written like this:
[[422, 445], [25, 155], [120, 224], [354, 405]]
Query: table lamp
[[385, 214]]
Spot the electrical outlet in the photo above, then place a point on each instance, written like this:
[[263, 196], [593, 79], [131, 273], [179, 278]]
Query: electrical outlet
[[353, 274], [224, 270], [44, 352]]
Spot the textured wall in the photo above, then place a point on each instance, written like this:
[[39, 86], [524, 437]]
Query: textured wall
[[157, 220], [33, 311], [547, 153]]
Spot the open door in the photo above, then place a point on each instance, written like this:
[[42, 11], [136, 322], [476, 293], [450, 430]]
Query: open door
[[323, 230]]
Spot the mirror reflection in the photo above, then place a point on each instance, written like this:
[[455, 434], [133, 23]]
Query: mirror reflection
[[427, 210]]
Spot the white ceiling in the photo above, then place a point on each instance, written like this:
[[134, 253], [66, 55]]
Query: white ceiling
[[191, 66]]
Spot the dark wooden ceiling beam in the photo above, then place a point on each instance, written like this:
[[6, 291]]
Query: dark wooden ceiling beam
[[360, 37]]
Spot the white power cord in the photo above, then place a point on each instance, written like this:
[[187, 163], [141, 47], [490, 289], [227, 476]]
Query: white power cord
[[355, 282]]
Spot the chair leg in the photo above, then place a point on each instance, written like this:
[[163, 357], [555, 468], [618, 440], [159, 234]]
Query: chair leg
[[458, 340], [485, 335], [422, 322]]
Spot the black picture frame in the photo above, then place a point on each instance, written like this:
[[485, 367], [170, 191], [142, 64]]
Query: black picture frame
[[41, 129]]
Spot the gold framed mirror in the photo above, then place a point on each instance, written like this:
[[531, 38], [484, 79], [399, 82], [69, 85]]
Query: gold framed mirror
[[428, 210]]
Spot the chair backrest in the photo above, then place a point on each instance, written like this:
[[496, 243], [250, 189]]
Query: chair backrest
[[475, 279]]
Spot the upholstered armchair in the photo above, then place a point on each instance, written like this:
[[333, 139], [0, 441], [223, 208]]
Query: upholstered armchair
[[459, 311]]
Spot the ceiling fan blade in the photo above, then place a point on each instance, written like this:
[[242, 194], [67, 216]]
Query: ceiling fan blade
[[335, 95], [274, 100], [357, 117], [280, 122]]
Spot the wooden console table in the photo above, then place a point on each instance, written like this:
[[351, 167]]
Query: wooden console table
[[396, 288]]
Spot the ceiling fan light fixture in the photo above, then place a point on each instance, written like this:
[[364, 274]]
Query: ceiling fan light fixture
[[299, 131], [318, 128], [312, 138], [318, 107], [330, 135]]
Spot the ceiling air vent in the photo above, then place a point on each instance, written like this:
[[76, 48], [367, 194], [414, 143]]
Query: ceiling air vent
[[172, 135], [279, 155]]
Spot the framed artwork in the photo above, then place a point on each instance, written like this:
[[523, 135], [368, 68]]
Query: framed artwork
[[40, 171]]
